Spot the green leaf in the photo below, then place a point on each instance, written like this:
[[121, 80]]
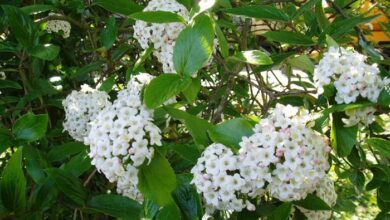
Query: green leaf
[[282, 212], [45, 52], [108, 34], [30, 127], [115, 206], [254, 57], [79, 164], [157, 180], [21, 25], [357, 179], [157, 17], [125, 7], [343, 204], [321, 18], [384, 192], [230, 133], [345, 107], [222, 42], [201, 6], [384, 97], [164, 87], [170, 211], [305, 7], [83, 71], [302, 62], [342, 138], [8, 47], [381, 145], [36, 8], [108, 84], [63, 151], [265, 12], [312, 202], [289, 37], [6, 139], [13, 184], [187, 198], [191, 92], [145, 54], [35, 163], [383, 216], [330, 41], [193, 47], [341, 27], [188, 151], [9, 84], [383, 205], [196, 126], [69, 185]]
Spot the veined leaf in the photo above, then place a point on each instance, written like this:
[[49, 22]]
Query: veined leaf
[[289, 37], [164, 87], [266, 12]]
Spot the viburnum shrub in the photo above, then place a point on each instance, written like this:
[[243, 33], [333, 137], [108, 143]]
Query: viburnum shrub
[[184, 109]]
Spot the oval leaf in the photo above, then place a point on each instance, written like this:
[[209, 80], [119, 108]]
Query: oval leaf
[[69, 185], [13, 184], [381, 145], [116, 206], [193, 47], [45, 52], [254, 57], [230, 133], [157, 180], [164, 87], [312, 202], [30, 127]]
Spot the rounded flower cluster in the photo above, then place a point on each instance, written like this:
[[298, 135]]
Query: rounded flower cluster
[[325, 191], [283, 155], [122, 137], [362, 116], [55, 26], [217, 178], [81, 108], [162, 36], [351, 75]]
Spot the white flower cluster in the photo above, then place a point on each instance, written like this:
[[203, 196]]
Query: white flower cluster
[[351, 75], [121, 138], [325, 191], [162, 36], [217, 178], [55, 26], [362, 116], [81, 108], [283, 155]]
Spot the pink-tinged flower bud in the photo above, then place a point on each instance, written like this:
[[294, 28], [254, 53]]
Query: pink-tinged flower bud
[[279, 153]]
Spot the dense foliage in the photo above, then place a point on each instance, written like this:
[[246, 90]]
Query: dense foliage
[[165, 109]]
